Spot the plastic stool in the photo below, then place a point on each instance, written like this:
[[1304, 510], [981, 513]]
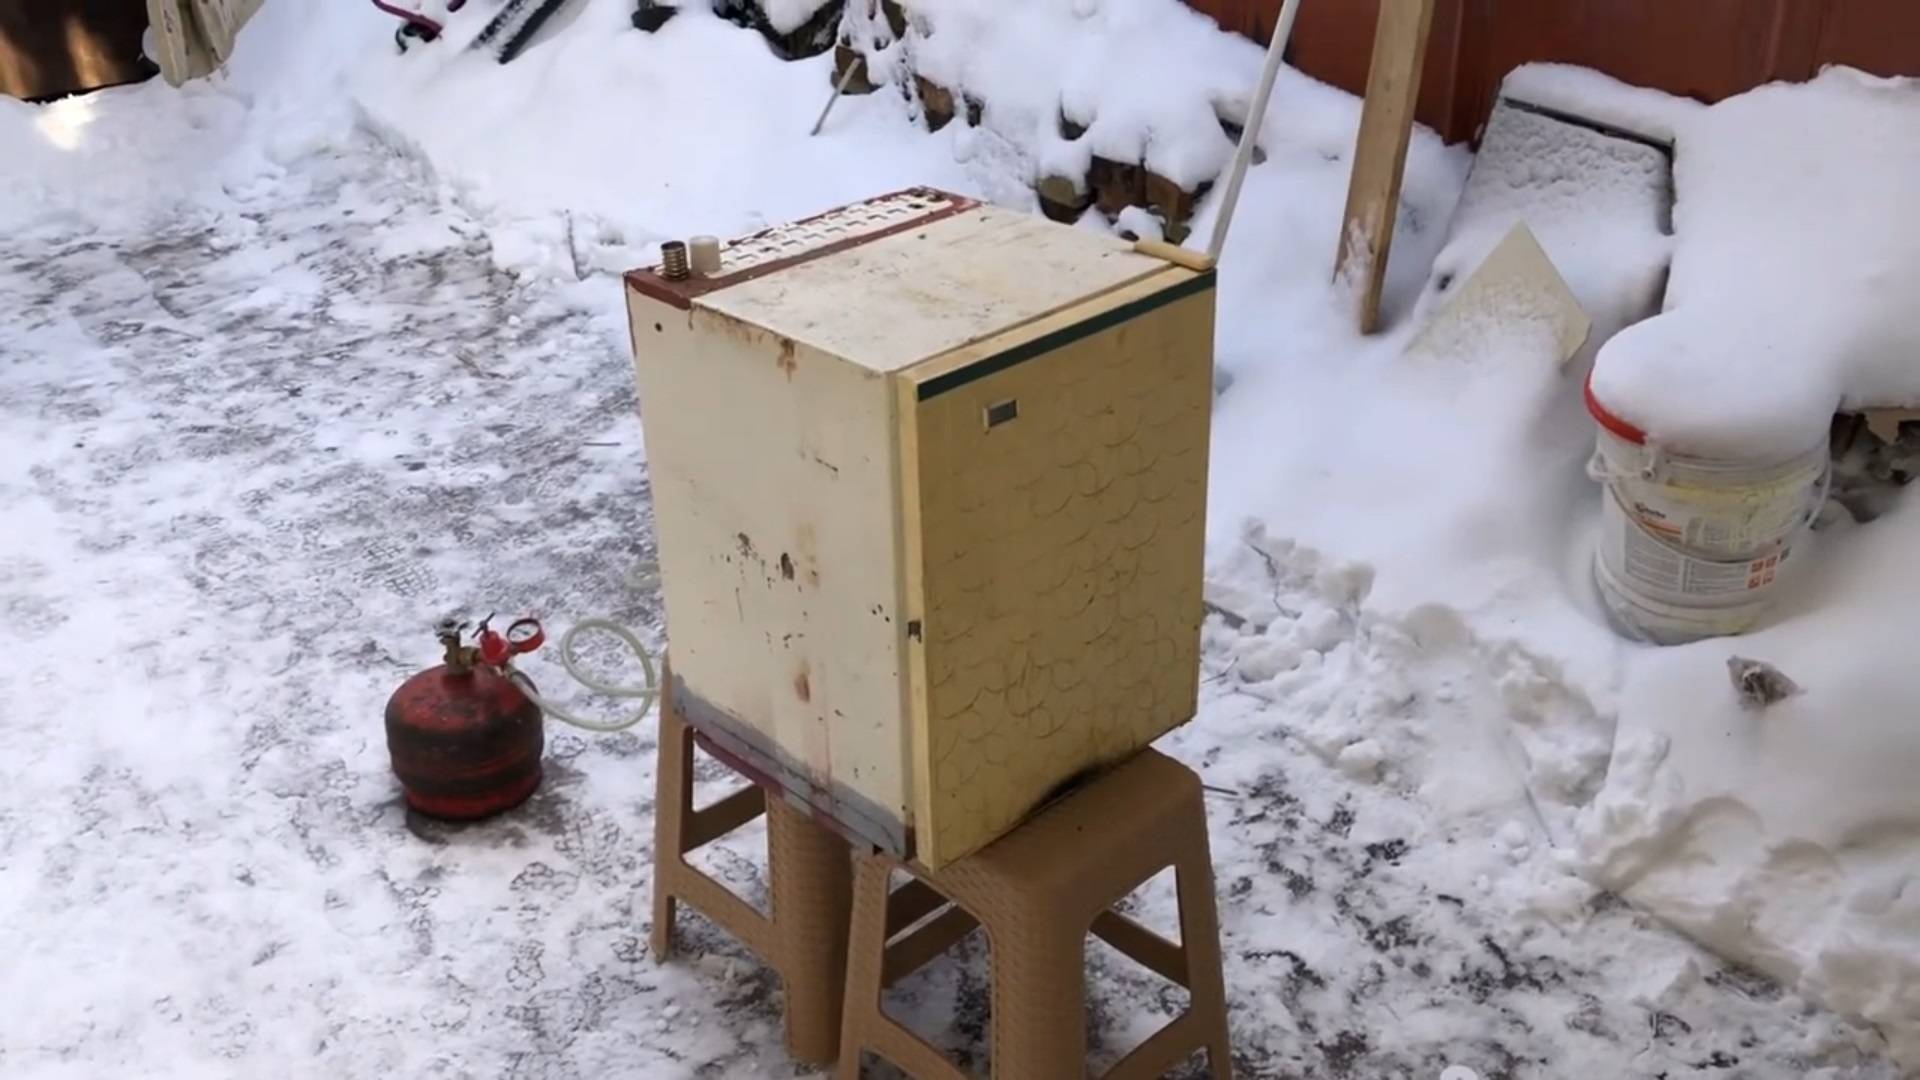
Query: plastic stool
[[805, 939], [1039, 891]]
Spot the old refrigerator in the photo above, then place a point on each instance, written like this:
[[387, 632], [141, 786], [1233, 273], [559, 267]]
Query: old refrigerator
[[929, 481]]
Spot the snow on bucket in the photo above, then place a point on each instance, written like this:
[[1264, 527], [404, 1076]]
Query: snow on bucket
[[1694, 547]]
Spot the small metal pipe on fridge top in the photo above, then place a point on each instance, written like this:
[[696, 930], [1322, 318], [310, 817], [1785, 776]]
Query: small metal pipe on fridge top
[[673, 260]]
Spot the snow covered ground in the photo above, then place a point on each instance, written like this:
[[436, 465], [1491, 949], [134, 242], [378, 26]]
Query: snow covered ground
[[296, 361]]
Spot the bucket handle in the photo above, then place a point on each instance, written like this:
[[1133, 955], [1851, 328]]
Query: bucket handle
[[1598, 470], [1819, 502], [1656, 464]]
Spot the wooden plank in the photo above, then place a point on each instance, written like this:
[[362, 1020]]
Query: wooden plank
[[1380, 151]]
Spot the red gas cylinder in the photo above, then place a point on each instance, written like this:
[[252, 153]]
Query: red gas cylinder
[[464, 739]]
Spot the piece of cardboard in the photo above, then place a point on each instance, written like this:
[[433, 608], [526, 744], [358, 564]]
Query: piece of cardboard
[[1516, 281], [1885, 423]]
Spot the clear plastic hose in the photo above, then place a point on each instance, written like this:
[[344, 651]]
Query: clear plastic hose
[[643, 577]]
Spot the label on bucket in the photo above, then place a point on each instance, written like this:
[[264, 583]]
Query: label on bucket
[[1762, 521], [1650, 564], [1717, 511]]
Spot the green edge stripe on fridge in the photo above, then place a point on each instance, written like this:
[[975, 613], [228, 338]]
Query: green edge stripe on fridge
[[1064, 336]]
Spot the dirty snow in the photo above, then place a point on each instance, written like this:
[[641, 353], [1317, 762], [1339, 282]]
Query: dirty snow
[[305, 380]]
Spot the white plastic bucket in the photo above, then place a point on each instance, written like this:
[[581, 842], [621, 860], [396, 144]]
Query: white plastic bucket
[[1695, 547], [1656, 593]]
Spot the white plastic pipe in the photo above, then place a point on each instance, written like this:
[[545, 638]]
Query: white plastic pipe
[[846, 80], [1250, 134]]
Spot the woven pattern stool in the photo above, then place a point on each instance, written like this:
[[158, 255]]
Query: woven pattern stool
[[1039, 891], [805, 938]]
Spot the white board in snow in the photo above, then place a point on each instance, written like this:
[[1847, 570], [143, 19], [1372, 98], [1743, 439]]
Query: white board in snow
[[1516, 285]]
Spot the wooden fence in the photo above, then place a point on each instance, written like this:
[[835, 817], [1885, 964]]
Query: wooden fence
[[54, 47], [1707, 49]]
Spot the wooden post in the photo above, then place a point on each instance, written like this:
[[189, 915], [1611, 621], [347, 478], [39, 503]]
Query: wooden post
[[1380, 151]]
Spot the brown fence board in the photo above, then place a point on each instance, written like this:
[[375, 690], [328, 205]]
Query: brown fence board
[[1881, 36], [53, 47], [1705, 49]]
